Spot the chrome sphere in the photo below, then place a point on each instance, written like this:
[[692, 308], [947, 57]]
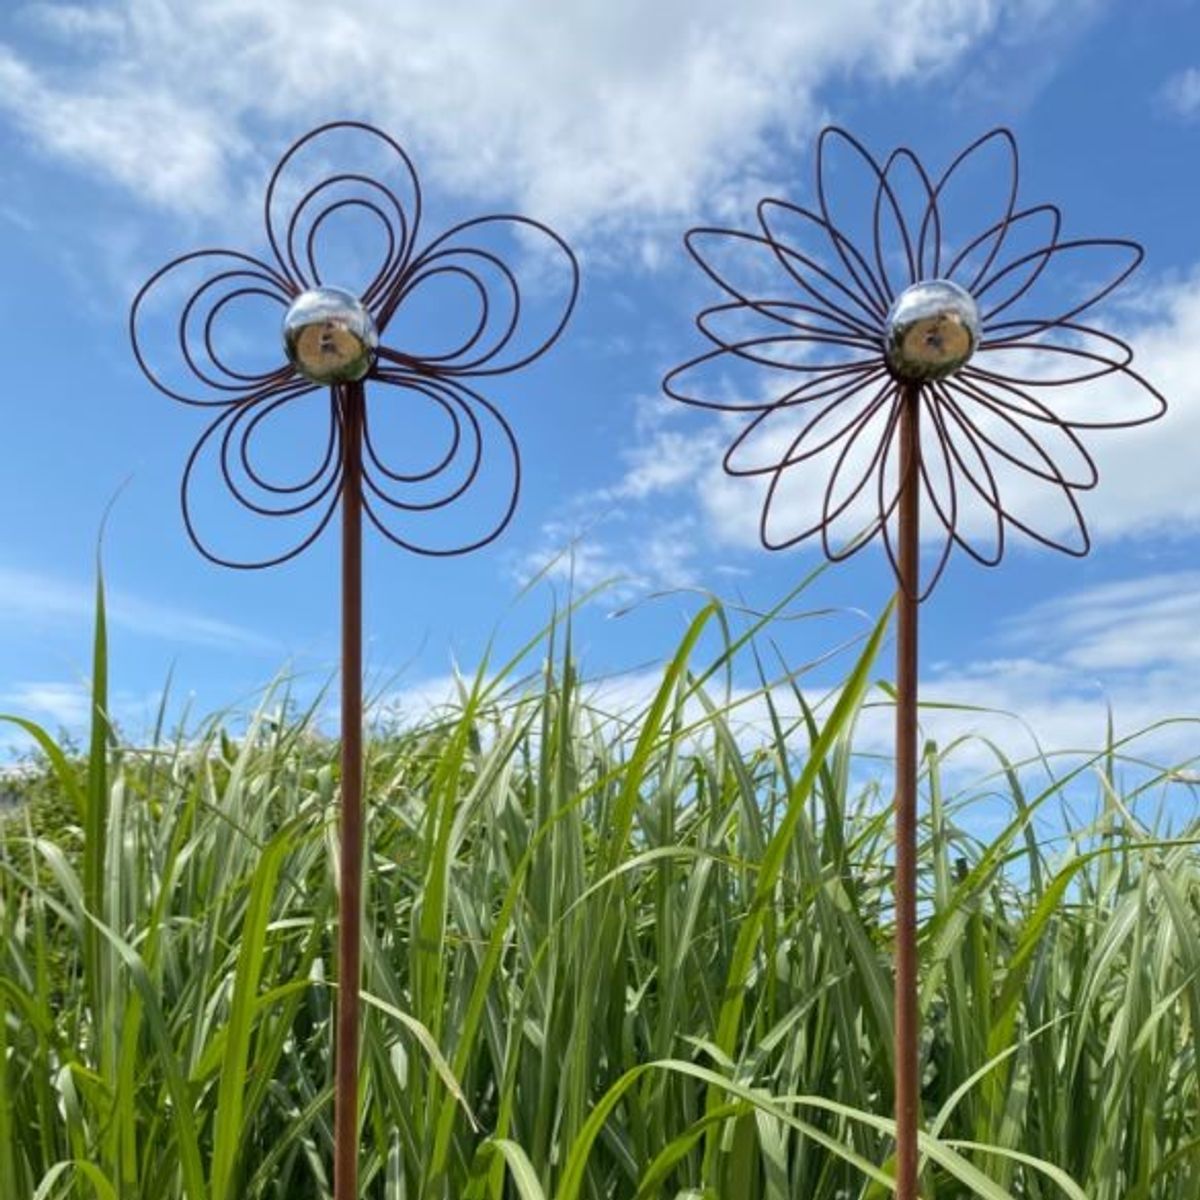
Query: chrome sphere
[[330, 336], [932, 329]]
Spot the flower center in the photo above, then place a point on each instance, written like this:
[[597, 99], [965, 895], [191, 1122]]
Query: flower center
[[931, 330], [330, 336]]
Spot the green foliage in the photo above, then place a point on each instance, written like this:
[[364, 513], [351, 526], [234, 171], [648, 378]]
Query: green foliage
[[641, 958]]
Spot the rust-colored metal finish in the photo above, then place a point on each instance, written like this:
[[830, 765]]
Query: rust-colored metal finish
[[351, 462], [266, 398], [804, 328], [920, 373], [907, 1015], [350, 874]]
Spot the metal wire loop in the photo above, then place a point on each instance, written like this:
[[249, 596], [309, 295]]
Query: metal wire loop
[[190, 356], [813, 346]]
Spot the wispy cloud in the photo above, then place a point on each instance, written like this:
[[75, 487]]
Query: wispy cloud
[[1147, 473], [64, 707], [657, 556], [53, 702], [1132, 625], [1129, 647], [32, 598], [1181, 93], [134, 133], [634, 531], [591, 114], [1064, 667]]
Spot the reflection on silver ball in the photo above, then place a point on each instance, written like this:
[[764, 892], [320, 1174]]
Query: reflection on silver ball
[[931, 330], [329, 335]]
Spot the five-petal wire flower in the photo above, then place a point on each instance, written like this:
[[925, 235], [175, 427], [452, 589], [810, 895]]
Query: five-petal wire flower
[[808, 322], [474, 440]]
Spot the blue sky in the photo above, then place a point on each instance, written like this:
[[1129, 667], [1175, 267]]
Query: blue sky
[[133, 130]]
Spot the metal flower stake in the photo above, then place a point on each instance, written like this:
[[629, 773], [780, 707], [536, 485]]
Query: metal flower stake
[[920, 378], [331, 342]]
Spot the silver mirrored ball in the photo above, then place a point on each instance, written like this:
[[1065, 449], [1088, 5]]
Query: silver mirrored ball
[[931, 330], [330, 336]]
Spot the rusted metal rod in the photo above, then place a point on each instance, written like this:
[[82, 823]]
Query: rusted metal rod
[[345, 1104], [872, 340], [908, 1031], [332, 337]]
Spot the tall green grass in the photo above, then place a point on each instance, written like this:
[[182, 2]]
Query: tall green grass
[[607, 957]]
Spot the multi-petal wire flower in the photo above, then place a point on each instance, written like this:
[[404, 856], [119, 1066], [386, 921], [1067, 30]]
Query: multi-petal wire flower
[[266, 409], [827, 335]]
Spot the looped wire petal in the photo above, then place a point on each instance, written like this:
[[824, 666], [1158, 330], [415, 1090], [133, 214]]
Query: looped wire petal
[[815, 353], [178, 354], [305, 194], [487, 266], [495, 262], [937, 228], [256, 482], [416, 507]]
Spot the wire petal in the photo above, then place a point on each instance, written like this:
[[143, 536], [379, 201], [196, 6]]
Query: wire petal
[[252, 447], [1112, 260], [463, 444], [177, 313], [1000, 444], [484, 268], [305, 199]]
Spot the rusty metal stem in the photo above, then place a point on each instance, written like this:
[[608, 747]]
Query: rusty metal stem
[[345, 1104], [908, 1031]]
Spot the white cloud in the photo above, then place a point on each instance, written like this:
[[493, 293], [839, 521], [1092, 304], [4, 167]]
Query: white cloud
[[672, 507], [618, 535], [64, 705], [1130, 646], [32, 598], [1134, 625], [574, 556], [1181, 92], [1035, 33], [1033, 705], [414, 702], [140, 136], [589, 112], [1070, 663], [622, 561], [664, 461], [1147, 474], [76, 20]]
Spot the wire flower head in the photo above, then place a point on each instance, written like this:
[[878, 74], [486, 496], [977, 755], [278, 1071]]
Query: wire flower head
[[827, 335], [448, 436]]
